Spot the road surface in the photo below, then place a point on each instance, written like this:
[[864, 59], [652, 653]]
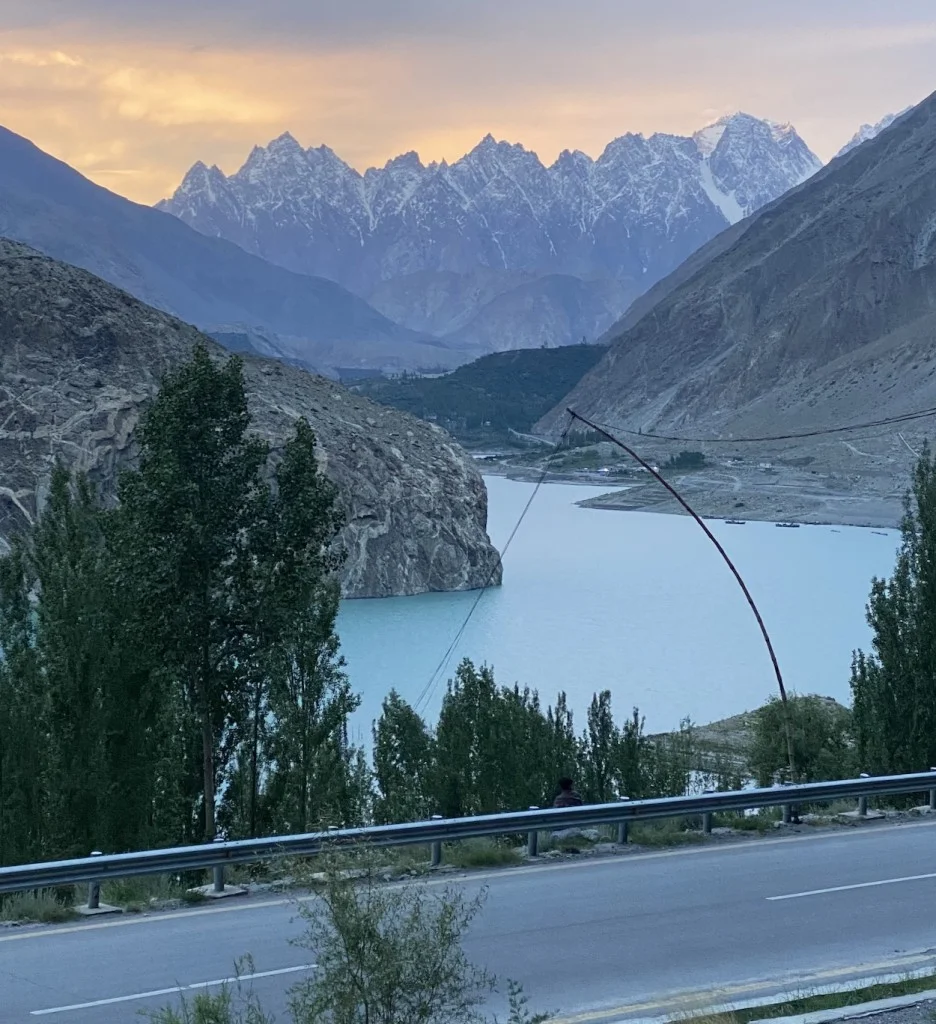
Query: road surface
[[593, 941]]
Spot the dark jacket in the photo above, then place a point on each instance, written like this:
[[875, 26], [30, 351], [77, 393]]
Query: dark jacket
[[568, 799]]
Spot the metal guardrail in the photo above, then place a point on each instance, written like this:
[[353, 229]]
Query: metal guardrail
[[98, 868]]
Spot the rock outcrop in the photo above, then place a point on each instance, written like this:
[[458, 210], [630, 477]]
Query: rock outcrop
[[79, 359]]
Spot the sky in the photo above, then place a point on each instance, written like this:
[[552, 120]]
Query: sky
[[133, 92]]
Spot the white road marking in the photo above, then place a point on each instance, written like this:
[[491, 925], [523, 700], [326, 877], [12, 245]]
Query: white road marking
[[857, 885], [171, 991]]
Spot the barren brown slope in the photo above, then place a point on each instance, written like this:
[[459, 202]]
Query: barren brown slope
[[820, 311], [79, 359]]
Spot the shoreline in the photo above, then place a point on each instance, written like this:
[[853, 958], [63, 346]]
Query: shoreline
[[798, 501]]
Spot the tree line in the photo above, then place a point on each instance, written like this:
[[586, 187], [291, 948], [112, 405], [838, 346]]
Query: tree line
[[170, 666]]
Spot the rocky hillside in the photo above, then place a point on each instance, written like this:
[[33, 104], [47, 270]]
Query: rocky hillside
[[628, 217], [820, 310], [79, 358], [205, 281]]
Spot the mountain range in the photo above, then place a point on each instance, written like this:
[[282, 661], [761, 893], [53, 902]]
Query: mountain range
[[209, 282], [498, 250], [815, 310]]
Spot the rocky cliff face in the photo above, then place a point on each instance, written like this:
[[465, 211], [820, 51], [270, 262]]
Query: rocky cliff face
[[79, 359]]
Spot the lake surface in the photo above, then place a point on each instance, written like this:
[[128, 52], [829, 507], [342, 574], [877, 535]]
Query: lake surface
[[638, 603]]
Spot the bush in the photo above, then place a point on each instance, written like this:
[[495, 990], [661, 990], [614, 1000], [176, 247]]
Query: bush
[[821, 733], [42, 905], [384, 954]]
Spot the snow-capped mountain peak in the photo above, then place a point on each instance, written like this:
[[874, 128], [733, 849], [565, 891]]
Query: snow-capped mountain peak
[[870, 131], [634, 213]]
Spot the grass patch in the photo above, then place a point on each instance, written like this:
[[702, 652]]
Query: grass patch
[[672, 832], [761, 823], [44, 906], [816, 1003], [480, 853], [138, 892]]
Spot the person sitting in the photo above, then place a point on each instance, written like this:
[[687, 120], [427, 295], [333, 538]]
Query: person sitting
[[567, 797]]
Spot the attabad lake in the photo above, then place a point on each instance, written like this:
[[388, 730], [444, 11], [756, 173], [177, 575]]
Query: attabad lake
[[637, 603]]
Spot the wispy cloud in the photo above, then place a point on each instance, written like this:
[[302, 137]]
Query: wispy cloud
[[133, 93]]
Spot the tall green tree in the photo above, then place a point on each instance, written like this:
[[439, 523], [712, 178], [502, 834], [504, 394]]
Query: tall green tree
[[309, 762], [23, 718], [404, 759], [75, 657], [894, 686], [189, 509], [298, 697], [599, 751]]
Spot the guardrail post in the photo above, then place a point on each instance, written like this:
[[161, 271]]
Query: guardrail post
[[787, 813], [95, 906], [94, 888], [436, 858], [707, 816], [622, 835], [533, 839], [219, 889], [863, 800], [932, 795], [218, 886]]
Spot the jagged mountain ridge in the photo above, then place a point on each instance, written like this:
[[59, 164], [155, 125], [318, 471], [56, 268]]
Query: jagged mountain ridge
[[48, 205], [870, 131], [79, 359], [820, 307], [630, 216]]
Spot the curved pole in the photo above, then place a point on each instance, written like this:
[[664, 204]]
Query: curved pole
[[711, 536]]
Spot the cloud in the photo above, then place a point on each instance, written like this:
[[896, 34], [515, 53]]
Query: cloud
[[133, 93]]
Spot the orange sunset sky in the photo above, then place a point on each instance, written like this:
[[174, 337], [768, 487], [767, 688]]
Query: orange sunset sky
[[132, 92]]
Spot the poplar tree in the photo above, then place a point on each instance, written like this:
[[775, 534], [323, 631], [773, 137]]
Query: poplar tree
[[22, 718], [894, 686], [404, 756], [187, 517]]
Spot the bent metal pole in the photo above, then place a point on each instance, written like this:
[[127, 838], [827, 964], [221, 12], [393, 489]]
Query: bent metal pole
[[737, 575]]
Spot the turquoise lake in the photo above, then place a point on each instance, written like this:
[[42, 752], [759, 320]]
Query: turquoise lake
[[638, 603]]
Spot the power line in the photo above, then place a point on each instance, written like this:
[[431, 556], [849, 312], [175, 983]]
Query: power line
[[711, 536], [433, 682], [885, 422]]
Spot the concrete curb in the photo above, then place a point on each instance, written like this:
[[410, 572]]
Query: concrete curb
[[685, 1012]]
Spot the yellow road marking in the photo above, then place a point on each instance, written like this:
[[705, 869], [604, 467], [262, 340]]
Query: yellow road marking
[[701, 1000], [481, 876]]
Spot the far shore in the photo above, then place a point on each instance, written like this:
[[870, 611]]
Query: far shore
[[789, 501]]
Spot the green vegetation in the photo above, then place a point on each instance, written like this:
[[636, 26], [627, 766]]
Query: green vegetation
[[495, 748], [383, 954], [894, 688], [685, 461], [177, 646], [43, 905], [816, 1003], [482, 401], [821, 731], [483, 853]]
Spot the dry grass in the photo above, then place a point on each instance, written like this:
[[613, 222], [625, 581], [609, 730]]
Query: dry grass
[[44, 906]]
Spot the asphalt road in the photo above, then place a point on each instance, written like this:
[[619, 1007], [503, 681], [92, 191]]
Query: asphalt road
[[592, 941]]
